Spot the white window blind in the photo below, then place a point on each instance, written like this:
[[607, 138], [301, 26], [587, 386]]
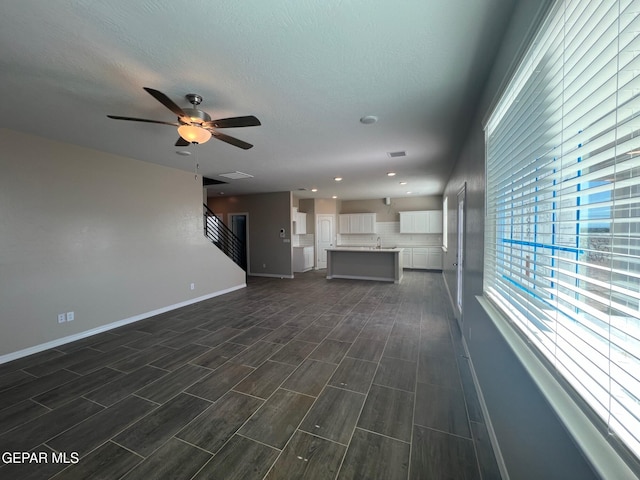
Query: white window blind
[[562, 233]]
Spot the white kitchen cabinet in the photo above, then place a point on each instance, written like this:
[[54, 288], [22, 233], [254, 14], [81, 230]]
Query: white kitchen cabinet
[[357, 223], [344, 223], [425, 258], [308, 258], [427, 221], [434, 258], [420, 258], [302, 259], [299, 220], [434, 221], [406, 258], [301, 223]]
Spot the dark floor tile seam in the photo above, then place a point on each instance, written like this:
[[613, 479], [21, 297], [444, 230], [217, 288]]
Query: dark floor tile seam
[[121, 446], [257, 441], [398, 358], [21, 370], [214, 455], [469, 439], [386, 436], [48, 408], [188, 443], [415, 403], [131, 371], [44, 442], [211, 370], [239, 344], [362, 408], [292, 391], [466, 409], [387, 386]]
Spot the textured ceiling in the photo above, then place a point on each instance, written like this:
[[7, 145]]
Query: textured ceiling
[[308, 69]]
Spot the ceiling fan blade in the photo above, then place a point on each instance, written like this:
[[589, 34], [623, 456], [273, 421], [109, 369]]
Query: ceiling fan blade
[[230, 140], [181, 142], [233, 122], [117, 117], [167, 102]]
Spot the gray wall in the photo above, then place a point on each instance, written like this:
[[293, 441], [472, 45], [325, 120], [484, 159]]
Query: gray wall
[[107, 237], [268, 213], [533, 442]]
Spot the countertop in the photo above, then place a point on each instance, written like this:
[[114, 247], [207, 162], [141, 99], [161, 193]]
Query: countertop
[[365, 249]]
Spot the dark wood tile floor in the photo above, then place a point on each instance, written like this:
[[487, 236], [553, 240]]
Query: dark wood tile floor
[[286, 379]]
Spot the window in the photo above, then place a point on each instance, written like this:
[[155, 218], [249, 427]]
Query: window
[[562, 235]]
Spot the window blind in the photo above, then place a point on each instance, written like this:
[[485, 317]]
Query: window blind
[[562, 238]]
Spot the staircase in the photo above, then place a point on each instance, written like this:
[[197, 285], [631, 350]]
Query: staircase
[[224, 238]]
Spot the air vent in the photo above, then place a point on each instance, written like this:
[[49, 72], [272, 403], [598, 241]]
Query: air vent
[[397, 154], [235, 175]]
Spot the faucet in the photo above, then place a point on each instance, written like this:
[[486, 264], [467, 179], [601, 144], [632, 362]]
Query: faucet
[[378, 243]]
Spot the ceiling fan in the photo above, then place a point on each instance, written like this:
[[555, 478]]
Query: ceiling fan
[[194, 125]]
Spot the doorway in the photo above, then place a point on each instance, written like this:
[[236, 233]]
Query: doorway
[[325, 235], [460, 252], [239, 225]]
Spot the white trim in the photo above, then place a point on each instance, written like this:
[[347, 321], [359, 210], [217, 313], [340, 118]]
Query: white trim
[[483, 405], [271, 275], [110, 326], [602, 456]]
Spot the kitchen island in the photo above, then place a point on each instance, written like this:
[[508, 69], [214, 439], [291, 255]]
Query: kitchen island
[[365, 263]]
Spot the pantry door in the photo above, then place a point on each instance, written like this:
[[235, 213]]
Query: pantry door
[[325, 238]]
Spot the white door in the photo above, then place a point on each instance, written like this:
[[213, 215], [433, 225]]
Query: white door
[[460, 251], [325, 236]]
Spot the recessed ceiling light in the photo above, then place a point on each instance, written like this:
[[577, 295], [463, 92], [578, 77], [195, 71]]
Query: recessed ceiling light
[[391, 174], [335, 196], [221, 193], [403, 183], [369, 119], [314, 189], [184, 153], [408, 193], [338, 179]]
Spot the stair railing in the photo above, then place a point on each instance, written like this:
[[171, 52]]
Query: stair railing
[[222, 236]]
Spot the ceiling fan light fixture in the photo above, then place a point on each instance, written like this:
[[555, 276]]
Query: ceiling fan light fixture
[[194, 134]]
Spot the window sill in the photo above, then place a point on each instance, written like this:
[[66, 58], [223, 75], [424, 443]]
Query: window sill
[[604, 459]]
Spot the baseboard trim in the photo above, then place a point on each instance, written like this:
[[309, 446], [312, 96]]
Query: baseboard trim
[[110, 326], [502, 466], [493, 439], [270, 275], [604, 459]]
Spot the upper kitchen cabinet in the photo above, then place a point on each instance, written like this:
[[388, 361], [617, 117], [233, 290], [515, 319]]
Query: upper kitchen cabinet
[[357, 223], [428, 221], [299, 222]]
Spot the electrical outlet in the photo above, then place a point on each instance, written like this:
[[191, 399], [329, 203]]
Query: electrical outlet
[[193, 286], [71, 316], [62, 318]]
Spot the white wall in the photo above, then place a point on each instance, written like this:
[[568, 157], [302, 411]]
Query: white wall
[[107, 237]]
